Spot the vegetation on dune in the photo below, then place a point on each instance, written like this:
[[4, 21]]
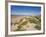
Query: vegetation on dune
[[20, 25], [31, 19], [38, 26]]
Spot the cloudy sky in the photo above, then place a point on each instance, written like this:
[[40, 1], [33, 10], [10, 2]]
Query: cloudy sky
[[25, 10]]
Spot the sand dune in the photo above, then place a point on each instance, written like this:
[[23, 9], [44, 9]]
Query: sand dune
[[23, 23]]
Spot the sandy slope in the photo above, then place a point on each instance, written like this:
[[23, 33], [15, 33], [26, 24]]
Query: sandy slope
[[28, 26]]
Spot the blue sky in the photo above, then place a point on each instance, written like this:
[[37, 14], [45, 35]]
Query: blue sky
[[25, 10]]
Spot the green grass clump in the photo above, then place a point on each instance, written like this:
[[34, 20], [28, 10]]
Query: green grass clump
[[24, 23], [38, 27]]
